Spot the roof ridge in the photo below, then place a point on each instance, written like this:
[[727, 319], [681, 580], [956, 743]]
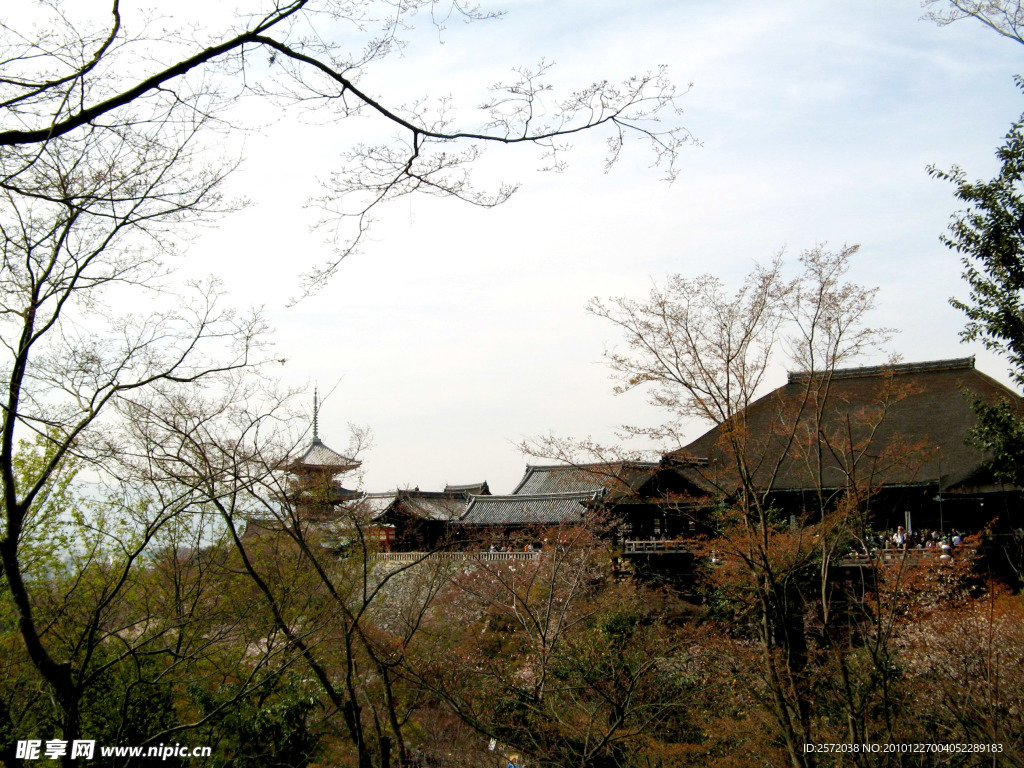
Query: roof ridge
[[951, 364], [534, 496], [623, 462], [415, 493]]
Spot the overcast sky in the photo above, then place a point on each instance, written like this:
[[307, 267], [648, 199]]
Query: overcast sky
[[457, 332]]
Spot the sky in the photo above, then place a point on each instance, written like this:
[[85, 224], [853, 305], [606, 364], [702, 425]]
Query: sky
[[458, 332]]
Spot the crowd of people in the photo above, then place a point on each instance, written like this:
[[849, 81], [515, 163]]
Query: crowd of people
[[515, 548], [901, 538]]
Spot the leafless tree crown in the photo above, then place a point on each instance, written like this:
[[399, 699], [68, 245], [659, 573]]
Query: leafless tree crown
[[130, 79]]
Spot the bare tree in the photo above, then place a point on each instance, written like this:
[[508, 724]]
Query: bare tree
[[698, 352], [308, 554], [703, 353], [386, 641], [108, 140], [1005, 17], [125, 78], [85, 223]]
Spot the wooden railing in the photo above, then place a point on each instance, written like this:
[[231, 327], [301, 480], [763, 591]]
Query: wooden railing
[[913, 556], [412, 557], [655, 546]]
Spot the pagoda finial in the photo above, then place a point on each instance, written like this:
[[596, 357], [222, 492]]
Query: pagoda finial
[[316, 414]]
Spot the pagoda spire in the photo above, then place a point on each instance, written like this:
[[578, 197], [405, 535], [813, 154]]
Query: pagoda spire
[[316, 415], [318, 457]]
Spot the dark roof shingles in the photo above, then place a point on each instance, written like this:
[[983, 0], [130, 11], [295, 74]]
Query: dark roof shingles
[[922, 410], [319, 456], [568, 478], [528, 509]]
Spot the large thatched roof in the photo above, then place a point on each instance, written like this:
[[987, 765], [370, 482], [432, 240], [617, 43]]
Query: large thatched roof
[[881, 426]]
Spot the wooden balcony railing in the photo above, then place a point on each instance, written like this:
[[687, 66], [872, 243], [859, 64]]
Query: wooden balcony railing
[[655, 546], [412, 557], [914, 556]]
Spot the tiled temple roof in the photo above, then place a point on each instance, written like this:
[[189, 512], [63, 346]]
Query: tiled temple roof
[[471, 489], [613, 477], [318, 457], [426, 505], [528, 509]]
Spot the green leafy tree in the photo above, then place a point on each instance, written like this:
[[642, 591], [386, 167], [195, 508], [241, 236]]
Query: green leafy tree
[[45, 540], [989, 236]]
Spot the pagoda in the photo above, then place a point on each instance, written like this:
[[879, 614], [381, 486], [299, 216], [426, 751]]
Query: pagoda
[[315, 488]]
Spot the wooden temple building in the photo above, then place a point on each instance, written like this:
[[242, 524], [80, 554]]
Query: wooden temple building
[[895, 435], [406, 520]]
